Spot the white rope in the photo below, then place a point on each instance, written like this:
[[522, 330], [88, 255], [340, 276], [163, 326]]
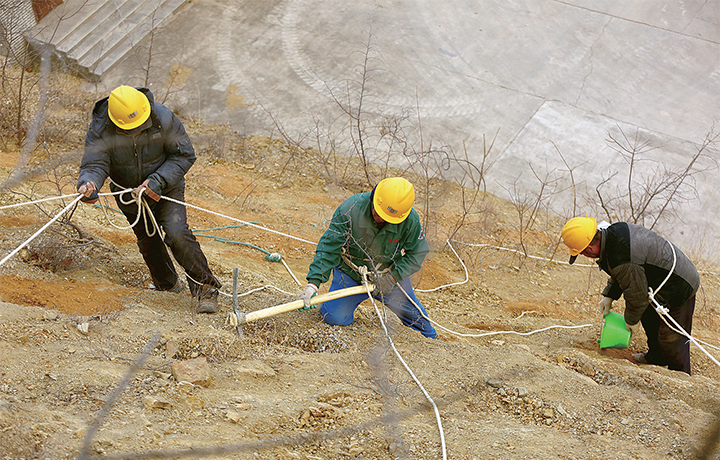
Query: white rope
[[664, 313], [407, 368], [467, 276], [708, 344], [670, 272], [249, 224], [42, 200], [259, 289], [486, 333], [42, 229], [291, 273], [500, 248], [143, 209]]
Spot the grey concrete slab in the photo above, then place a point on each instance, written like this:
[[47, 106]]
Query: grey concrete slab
[[132, 29], [696, 18], [92, 35], [591, 162], [545, 75], [108, 26], [63, 26]]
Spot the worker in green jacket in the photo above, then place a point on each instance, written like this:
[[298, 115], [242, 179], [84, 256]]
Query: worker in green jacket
[[378, 233]]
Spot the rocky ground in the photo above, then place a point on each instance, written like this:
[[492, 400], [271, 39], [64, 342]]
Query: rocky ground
[[94, 363]]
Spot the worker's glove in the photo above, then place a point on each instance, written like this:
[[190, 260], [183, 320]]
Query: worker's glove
[[633, 328], [147, 191], [384, 284], [605, 305], [310, 291], [89, 193]]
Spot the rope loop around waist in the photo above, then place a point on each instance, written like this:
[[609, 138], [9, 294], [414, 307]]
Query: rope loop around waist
[[363, 270]]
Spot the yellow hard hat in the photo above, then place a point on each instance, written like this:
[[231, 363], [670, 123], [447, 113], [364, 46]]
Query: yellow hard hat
[[578, 233], [393, 199], [128, 108]]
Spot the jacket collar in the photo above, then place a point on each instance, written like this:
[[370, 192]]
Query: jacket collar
[[601, 260], [101, 120], [368, 222]]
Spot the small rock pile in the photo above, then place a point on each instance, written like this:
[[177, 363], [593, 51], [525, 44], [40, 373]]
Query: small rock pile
[[317, 340], [530, 409]]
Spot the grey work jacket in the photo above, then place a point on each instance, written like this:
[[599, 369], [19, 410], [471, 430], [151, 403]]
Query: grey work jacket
[[637, 258]]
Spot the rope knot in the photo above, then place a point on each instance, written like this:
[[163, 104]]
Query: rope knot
[[363, 272]]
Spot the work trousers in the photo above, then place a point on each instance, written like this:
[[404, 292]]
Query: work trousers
[[172, 217], [665, 346], [341, 312]]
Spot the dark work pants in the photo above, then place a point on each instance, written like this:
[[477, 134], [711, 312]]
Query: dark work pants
[[172, 217], [666, 347]]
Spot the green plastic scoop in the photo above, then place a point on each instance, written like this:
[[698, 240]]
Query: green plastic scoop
[[614, 334]]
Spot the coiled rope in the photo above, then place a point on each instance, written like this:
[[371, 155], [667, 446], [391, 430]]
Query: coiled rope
[[144, 210]]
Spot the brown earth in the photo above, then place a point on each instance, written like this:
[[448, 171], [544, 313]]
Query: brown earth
[[294, 388]]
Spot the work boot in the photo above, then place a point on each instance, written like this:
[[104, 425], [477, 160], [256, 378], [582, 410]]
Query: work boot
[[207, 299], [640, 358], [178, 288]]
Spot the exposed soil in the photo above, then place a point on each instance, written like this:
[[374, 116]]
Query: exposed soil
[[77, 309]]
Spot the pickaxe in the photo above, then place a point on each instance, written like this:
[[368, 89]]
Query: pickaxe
[[239, 318]]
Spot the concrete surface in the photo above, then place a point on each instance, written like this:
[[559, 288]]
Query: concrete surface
[[93, 35], [552, 79]]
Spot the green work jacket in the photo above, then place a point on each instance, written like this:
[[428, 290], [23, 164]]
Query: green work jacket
[[402, 246]]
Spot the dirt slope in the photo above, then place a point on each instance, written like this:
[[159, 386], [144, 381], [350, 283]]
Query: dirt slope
[[294, 388]]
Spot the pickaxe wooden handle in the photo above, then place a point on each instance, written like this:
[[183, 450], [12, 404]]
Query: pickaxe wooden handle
[[296, 304]]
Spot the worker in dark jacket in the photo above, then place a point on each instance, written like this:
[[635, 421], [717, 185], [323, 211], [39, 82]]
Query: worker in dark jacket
[[141, 145], [638, 259], [379, 233]]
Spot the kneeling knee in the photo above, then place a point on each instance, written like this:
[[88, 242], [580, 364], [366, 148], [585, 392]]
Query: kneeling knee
[[337, 320]]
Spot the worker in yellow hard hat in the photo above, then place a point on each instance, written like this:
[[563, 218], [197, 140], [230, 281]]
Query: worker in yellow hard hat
[[638, 259], [379, 233], [142, 146]]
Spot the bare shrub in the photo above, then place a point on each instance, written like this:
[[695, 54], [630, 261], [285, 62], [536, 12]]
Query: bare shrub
[[652, 190]]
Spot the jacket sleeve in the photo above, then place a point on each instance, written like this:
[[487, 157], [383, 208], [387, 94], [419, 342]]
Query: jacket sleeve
[[329, 248], [95, 164], [416, 249], [179, 153], [612, 290], [632, 280]]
